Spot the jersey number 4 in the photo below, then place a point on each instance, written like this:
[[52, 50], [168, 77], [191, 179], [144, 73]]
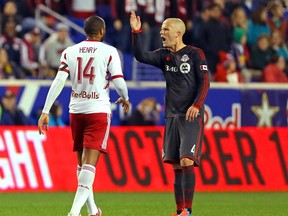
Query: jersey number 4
[[87, 72]]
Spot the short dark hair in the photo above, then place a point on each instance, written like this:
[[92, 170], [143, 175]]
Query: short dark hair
[[93, 24]]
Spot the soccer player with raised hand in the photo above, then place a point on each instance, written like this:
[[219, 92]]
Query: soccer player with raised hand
[[187, 82]]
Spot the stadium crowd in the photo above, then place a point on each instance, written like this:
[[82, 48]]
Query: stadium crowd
[[244, 40]]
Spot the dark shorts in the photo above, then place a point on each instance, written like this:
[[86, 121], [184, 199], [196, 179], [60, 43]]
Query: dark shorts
[[90, 131], [183, 139]]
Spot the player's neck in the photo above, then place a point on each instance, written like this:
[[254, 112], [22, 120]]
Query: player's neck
[[177, 47], [95, 38]]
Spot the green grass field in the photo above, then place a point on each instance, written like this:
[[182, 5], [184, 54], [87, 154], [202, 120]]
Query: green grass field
[[147, 204]]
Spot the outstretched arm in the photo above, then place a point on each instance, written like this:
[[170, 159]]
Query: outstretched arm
[[152, 57]]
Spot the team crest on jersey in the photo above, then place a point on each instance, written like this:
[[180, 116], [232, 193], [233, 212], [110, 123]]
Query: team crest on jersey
[[185, 58], [185, 68]]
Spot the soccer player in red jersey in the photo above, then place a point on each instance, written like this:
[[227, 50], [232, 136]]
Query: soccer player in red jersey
[[90, 64], [187, 82]]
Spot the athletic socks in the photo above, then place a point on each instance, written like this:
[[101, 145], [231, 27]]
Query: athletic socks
[[85, 182], [91, 206], [178, 190], [188, 186], [90, 203]]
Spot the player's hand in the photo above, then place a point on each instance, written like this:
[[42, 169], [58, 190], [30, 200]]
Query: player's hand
[[135, 21], [43, 122], [192, 113], [125, 104]]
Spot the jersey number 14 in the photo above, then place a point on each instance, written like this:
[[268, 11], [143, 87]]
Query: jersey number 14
[[87, 72]]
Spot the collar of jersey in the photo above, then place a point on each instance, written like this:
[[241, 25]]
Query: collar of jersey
[[91, 40]]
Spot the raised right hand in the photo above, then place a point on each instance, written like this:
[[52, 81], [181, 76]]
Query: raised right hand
[[135, 21]]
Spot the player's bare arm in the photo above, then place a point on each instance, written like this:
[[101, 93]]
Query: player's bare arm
[[43, 123], [125, 104], [135, 21], [192, 113]]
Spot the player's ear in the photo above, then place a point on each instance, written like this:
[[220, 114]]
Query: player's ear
[[102, 31]]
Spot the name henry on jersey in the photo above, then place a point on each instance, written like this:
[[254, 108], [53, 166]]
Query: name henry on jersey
[[84, 94], [87, 49]]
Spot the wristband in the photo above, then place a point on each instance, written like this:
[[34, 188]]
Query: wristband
[[137, 31]]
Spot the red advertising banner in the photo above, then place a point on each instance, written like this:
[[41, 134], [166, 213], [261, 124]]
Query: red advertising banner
[[246, 159]]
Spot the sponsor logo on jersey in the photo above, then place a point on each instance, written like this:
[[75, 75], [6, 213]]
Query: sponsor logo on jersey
[[203, 67], [84, 94], [185, 68], [171, 68], [185, 58]]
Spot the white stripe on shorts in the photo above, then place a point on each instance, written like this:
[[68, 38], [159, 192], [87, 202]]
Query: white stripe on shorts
[[105, 140]]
